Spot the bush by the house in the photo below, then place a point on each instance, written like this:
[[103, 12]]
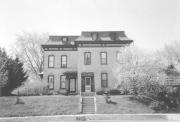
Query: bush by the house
[[115, 92], [168, 99], [100, 92], [111, 92], [33, 88]]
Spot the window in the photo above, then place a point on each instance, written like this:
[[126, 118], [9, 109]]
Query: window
[[63, 61], [64, 39], [103, 58], [62, 81], [119, 57], [104, 80], [51, 81], [94, 36], [60, 42], [87, 58], [72, 43], [51, 61]]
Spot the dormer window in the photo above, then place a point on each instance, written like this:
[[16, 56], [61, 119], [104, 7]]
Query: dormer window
[[113, 36], [94, 36], [72, 43], [60, 43], [64, 39]]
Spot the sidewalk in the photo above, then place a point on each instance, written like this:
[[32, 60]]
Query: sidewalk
[[90, 117]]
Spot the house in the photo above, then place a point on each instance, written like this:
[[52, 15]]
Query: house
[[84, 63], [173, 77]]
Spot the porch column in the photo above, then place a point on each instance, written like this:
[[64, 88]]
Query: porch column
[[79, 83], [92, 84]]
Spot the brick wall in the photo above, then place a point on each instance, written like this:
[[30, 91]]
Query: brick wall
[[75, 62], [57, 70], [96, 66]]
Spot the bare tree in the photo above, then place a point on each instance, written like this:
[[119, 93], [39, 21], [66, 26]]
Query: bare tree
[[140, 72], [28, 48], [172, 53]]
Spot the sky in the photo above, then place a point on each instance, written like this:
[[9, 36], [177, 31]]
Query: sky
[[150, 23]]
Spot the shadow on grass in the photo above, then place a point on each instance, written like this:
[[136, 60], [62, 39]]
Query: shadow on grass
[[140, 99], [112, 102]]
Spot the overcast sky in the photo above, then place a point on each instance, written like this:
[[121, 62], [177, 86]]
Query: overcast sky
[[150, 23]]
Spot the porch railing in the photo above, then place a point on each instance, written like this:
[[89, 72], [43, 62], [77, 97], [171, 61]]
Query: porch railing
[[173, 81]]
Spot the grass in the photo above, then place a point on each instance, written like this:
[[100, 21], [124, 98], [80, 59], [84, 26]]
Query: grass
[[121, 105], [39, 106]]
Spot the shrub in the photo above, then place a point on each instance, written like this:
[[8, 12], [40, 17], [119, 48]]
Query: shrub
[[165, 99], [111, 92], [156, 105], [169, 98], [115, 92], [100, 92], [33, 88]]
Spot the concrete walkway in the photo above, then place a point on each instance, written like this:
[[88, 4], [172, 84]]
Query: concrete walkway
[[95, 117]]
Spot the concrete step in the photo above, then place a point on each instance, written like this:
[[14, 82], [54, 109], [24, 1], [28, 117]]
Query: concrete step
[[90, 102], [87, 93], [88, 99], [88, 111], [92, 110], [88, 105]]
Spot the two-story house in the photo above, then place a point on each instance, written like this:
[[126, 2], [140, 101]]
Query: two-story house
[[84, 63]]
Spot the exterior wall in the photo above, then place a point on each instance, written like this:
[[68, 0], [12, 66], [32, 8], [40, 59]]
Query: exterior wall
[[173, 80], [75, 62], [57, 70], [96, 66]]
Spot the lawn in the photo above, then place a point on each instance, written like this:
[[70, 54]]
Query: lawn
[[39, 105], [121, 105]]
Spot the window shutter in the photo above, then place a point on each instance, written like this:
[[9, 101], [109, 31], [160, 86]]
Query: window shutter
[[92, 84], [83, 84]]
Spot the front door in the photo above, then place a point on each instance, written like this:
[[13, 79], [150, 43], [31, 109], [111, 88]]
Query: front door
[[72, 85], [87, 84]]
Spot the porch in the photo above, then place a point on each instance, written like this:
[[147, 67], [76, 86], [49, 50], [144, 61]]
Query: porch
[[87, 82], [71, 82], [85, 86]]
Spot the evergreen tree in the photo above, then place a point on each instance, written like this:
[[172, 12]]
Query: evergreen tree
[[3, 71], [3, 66], [16, 76]]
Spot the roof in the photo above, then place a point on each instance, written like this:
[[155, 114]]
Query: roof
[[103, 36], [172, 70], [59, 40], [88, 37]]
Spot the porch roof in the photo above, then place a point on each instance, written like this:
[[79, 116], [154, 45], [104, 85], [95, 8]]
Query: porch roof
[[70, 73]]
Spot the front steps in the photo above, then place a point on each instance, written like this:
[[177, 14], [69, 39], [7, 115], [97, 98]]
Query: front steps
[[88, 105], [83, 94]]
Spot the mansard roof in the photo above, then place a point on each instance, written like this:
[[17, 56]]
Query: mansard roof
[[103, 36], [60, 40], [89, 39]]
